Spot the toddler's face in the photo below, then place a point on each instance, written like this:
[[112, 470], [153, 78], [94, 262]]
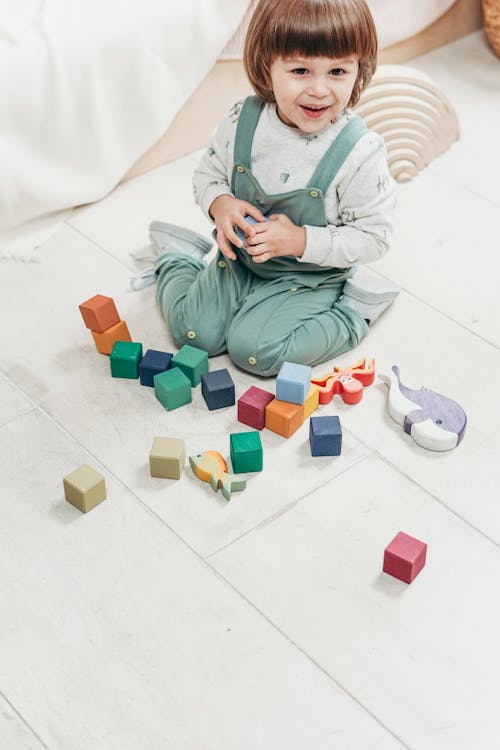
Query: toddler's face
[[310, 92]]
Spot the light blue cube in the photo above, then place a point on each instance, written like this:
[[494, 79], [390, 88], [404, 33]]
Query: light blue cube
[[293, 383]]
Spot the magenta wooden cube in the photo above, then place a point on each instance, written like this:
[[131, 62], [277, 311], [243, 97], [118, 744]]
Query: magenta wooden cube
[[252, 407], [404, 557]]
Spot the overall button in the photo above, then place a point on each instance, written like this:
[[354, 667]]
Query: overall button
[[252, 361], [313, 193], [221, 263], [191, 335], [239, 168], [293, 289]]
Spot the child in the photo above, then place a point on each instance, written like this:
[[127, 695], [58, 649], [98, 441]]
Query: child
[[299, 191]]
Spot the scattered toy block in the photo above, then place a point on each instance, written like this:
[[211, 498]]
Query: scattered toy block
[[435, 422], [125, 359], [192, 361], [217, 388], [252, 407], [210, 467], [348, 382], [106, 340], [284, 417], [312, 401], [84, 488], [404, 557], [99, 313], [167, 457], [325, 436], [246, 451], [293, 382], [172, 388], [152, 364]]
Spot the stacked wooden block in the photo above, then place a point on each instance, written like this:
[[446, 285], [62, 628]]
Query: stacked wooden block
[[100, 315], [296, 399]]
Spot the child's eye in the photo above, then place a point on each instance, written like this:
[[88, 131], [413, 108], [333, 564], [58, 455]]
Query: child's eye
[[299, 71], [337, 71]]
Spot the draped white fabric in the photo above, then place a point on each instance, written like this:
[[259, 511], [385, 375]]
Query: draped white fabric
[[86, 87]]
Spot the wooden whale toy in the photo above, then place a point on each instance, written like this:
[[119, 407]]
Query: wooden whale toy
[[434, 421]]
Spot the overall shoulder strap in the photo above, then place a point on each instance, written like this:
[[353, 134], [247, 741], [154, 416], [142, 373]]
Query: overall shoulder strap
[[337, 153], [247, 122]]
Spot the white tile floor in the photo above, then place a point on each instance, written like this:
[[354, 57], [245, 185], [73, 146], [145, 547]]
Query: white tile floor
[[167, 618]]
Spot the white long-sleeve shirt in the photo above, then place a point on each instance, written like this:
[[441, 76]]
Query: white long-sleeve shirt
[[359, 202]]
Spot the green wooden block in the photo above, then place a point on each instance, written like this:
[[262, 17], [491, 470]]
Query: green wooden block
[[172, 388], [125, 359], [192, 361], [246, 451], [167, 457], [84, 488]]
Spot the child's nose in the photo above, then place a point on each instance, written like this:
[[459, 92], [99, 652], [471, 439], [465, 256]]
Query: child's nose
[[318, 87]]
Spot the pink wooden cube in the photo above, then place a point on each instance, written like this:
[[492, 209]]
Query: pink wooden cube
[[252, 407], [404, 557]]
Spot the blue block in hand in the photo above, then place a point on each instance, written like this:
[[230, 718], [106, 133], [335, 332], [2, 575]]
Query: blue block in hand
[[241, 234], [152, 364], [217, 388], [293, 383], [325, 436]]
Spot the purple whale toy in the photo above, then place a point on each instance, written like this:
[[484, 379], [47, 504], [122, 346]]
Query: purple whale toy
[[435, 422]]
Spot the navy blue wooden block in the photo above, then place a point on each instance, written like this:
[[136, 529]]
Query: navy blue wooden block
[[325, 436], [152, 364], [217, 388]]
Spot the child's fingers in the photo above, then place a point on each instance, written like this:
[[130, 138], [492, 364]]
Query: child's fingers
[[254, 212], [225, 247]]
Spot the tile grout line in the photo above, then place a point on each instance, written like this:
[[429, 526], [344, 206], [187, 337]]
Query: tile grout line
[[23, 720], [281, 512], [97, 245], [204, 562], [392, 465]]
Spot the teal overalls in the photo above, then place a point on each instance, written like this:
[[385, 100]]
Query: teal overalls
[[268, 313]]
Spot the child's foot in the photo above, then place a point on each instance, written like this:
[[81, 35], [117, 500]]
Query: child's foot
[[369, 295], [168, 238]]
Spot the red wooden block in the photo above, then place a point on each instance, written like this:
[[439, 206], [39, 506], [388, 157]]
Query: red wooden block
[[252, 407], [99, 313], [404, 557]]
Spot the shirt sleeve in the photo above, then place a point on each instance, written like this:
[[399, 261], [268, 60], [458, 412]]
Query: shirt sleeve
[[212, 177], [362, 200]]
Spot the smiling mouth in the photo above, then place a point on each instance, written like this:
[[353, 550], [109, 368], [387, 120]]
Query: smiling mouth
[[313, 111]]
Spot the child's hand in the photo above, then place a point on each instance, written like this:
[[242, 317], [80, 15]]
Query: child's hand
[[228, 212], [276, 237]]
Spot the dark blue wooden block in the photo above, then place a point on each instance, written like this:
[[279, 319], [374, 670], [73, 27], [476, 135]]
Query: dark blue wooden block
[[325, 436], [152, 364], [217, 388]]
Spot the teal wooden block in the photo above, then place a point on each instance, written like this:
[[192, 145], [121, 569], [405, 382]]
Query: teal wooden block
[[125, 358], [246, 451], [172, 388], [192, 361]]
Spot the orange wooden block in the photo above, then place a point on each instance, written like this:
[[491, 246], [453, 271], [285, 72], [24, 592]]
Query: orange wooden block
[[105, 341], [312, 401], [99, 313], [283, 417]]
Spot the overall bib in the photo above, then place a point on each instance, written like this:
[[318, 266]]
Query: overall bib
[[263, 314]]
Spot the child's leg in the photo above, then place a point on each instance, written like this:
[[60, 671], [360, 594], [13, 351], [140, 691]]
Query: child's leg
[[198, 301], [281, 323]]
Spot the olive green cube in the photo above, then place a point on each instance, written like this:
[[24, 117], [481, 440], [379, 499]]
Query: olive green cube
[[84, 488], [246, 451], [172, 388], [192, 361], [167, 457], [125, 358]]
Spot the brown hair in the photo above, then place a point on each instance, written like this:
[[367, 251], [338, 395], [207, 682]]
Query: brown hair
[[312, 28]]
